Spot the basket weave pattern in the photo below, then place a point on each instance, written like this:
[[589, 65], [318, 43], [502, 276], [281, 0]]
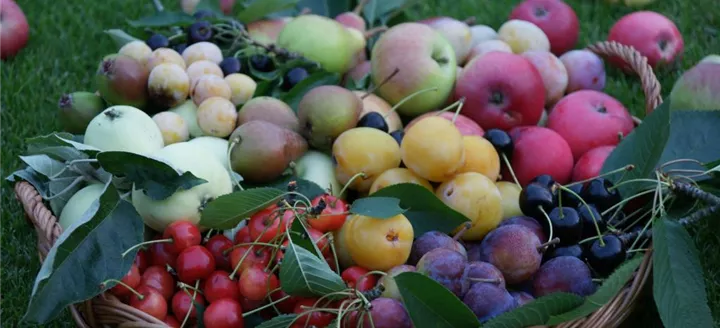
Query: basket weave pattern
[[107, 310]]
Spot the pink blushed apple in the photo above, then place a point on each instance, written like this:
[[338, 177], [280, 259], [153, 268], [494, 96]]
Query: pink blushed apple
[[14, 29], [590, 164], [653, 35], [556, 18], [537, 151], [553, 73], [585, 69], [588, 119], [501, 91], [267, 31], [466, 126]]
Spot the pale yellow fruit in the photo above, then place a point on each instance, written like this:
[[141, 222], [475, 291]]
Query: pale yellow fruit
[[523, 36], [242, 88], [476, 197], [208, 86], [202, 51], [168, 85], [398, 175], [165, 55], [217, 117], [203, 67], [510, 193], [172, 126], [433, 149], [480, 157], [138, 50]]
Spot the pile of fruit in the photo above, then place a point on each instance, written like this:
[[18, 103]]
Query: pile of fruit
[[313, 172]]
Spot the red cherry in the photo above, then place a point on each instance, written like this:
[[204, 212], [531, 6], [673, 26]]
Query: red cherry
[[320, 240], [217, 245], [249, 305], [255, 283], [159, 278], [219, 285], [224, 313], [264, 226], [288, 305], [152, 302], [132, 279], [183, 234], [355, 277], [255, 255], [280, 254], [332, 217], [194, 263], [182, 302], [242, 236], [316, 318], [330, 260], [142, 260], [163, 254], [170, 321]]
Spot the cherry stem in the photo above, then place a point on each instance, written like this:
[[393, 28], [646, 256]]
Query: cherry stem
[[208, 234], [307, 202], [359, 7], [237, 266], [547, 217], [588, 239], [638, 250], [229, 164], [592, 215], [461, 232], [245, 314], [457, 104], [119, 282], [512, 172], [331, 242], [544, 246], [410, 96], [340, 309], [459, 108], [149, 242], [680, 160], [192, 306], [185, 286], [225, 252], [618, 207], [358, 175], [385, 80], [380, 273], [625, 168], [638, 180]]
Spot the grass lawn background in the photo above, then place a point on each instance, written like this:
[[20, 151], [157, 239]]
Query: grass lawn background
[[67, 42]]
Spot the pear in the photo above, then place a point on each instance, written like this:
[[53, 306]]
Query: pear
[[698, 87], [322, 40], [271, 110], [262, 151], [327, 111], [266, 31], [77, 109], [123, 80]]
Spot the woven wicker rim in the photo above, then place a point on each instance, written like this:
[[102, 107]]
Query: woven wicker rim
[[106, 309]]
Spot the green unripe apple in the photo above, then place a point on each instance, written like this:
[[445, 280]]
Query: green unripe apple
[[320, 39]]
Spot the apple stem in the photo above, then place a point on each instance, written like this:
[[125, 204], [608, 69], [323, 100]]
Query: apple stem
[[139, 296], [72, 185], [229, 164], [592, 215], [550, 227], [462, 231], [305, 11], [385, 80], [410, 96], [373, 31], [543, 247], [623, 169], [149, 242], [512, 172], [194, 297], [354, 177], [359, 7], [470, 20]]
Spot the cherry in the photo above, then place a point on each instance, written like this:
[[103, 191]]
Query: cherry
[[219, 285], [333, 215], [163, 254], [131, 278], [256, 283], [600, 192], [565, 198], [267, 226], [604, 259], [142, 260], [357, 277], [194, 263], [242, 236], [182, 303], [315, 318], [150, 301], [288, 305], [224, 313], [249, 305], [330, 260], [566, 225], [544, 180], [587, 213], [280, 254], [255, 255], [398, 136], [170, 321], [217, 245], [574, 250], [533, 197], [159, 278], [501, 141], [373, 120], [320, 240], [183, 234]]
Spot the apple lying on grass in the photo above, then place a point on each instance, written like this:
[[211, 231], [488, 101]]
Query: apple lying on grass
[[14, 29], [698, 87], [653, 35]]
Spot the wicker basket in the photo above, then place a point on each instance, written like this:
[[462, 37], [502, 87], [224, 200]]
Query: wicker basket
[[106, 310]]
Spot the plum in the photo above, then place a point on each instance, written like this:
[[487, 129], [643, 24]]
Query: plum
[[432, 240], [514, 250], [388, 281], [585, 70], [488, 301], [476, 271], [522, 298], [527, 222], [563, 274], [447, 267], [384, 313]]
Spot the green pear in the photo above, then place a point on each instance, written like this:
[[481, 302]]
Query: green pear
[[698, 87], [423, 58], [327, 111], [320, 39], [77, 109]]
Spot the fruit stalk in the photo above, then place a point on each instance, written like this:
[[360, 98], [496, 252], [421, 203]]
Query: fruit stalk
[[592, 215], [193, 297]]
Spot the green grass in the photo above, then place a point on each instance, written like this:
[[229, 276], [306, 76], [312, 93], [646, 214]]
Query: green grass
[[67, 42]]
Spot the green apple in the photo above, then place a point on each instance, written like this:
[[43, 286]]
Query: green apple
[[217, 146], [80, 203], [424, 59], [124, 128], [698, 87], [188, 111], [711, 59], [318, 167], [320, 39]]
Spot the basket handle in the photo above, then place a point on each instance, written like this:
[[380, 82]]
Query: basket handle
[[638, 63]]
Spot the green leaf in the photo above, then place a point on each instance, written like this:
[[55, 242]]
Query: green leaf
[[304, 274], [46, 166], [424, 210], [536, 312], [642, 148], [374, 10], [328, 8], [39, 145], [35, 179], [610, 287], [317, 79], [431, 305], [678, 283], [307, 188], [157, 179], [164, 19], [226, 211], [264, 88], [377, 207], [281, 321], [692, 136], [87, 254], [199, 312], [120, 37], [260, 8], [210, 5]]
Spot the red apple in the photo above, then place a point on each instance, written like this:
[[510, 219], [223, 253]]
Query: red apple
[[14, 29], [653, 35], [466, 126], [556, 18], [588, 119], [537, 151], [590, 164], [501, 91]]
